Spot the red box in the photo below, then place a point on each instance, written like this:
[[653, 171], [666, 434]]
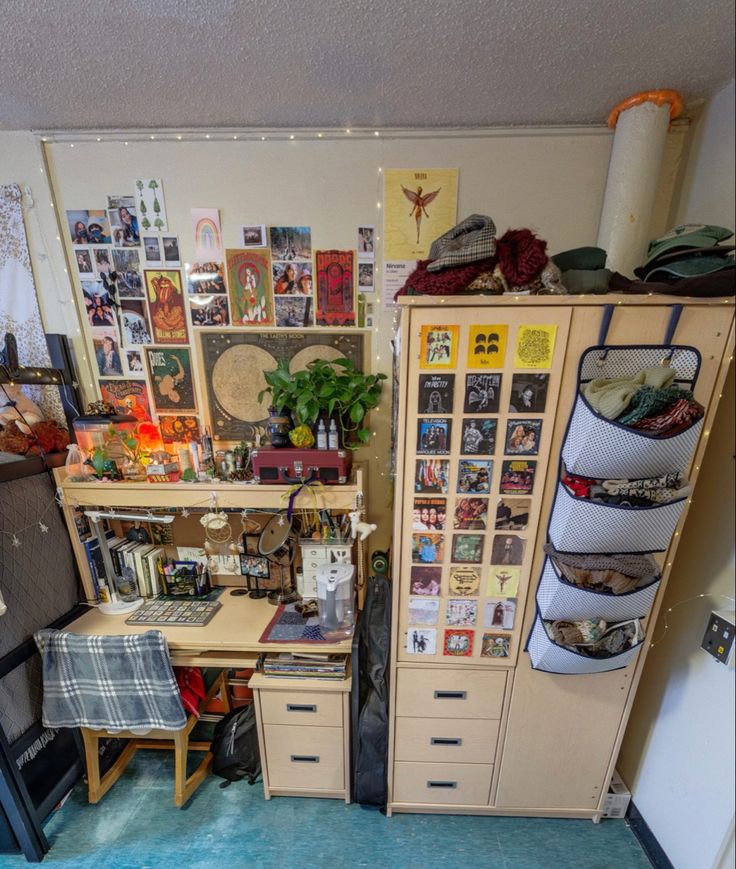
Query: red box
[[287, 466]]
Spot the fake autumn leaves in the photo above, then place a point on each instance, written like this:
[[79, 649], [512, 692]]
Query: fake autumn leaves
[[325, 389]]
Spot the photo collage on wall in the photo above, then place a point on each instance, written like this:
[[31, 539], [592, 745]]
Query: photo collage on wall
[[481, 398]]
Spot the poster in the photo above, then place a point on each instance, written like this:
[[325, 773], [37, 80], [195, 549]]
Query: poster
[[458, 643], [432, 476], [107, 351], [395, 275], [500, 612], [426, 581], [512, 514], [429, 514], [462, 612], [123, 217], [421, 641], [166, 306], [495, 646], [433, 435], [436, 393], [482, 393], [464, 581], [535, 346], [438, 346], [507, 549], [249, 283], [487, 346], [149, 199], [517, 478], [126, 263], [423, 610], [207, 234], [528, 393], [419, 205], [179, 429], [467, 548], [209, 311], [427, 548], [522, 437], [503, 580], [170, 375], [135, 329], [471, 514], [127, 397], [478, 437], [335, 288], [474, 475]]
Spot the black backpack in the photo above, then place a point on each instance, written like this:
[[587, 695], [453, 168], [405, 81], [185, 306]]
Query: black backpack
[[235, 747]]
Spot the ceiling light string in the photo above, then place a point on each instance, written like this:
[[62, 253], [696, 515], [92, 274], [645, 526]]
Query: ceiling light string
[[679, 603]]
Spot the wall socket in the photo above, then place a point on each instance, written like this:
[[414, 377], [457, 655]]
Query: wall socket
[[719, 635]]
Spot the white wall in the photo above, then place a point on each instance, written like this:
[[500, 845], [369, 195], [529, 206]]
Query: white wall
[[678, 753]]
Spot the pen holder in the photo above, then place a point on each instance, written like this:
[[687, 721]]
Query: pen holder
[[186, 579]]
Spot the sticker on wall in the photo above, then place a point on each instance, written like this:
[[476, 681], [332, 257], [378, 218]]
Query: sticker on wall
[[464, 581], [426, 581], [495, 646], [209, 311], [471, 514], [467, 548], [366, 243], [107, 351], [166, 306], [535, 346], [127, 267], [512, 514], [152, 250], [474, 475], [503, 581], [136, 329], [88, 226], [249, 284], [293, 311], [253, 235], [429, 514], [436, 393], [335, 287], [507, 549], [528, 393], [291, 242], [427, 548], [517, 478], [461, 613], [482, 393], [423, 610], [487, 346], [97, 304], [207, 234], [292, 279], [479, 436], [170, 374], [85, 263], [500, 612], [170, 245], [149, 198], [123, 217], [421, 641], [134, 362], [129, 397], [458, 643], [419, 205], [432, 476], [433, 436], [438, 346], [179, 429], [522, 437]]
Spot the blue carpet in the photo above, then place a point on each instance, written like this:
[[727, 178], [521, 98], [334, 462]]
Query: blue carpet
[[136, 825]]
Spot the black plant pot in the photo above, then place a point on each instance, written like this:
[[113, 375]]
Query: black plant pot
[[278, 427]]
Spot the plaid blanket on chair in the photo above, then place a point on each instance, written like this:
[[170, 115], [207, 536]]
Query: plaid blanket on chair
[[111, 683]]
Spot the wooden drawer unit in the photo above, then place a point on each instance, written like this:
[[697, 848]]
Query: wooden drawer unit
[[446, 740], [435, 693], [316, 709], [456, 784], [308, 758]]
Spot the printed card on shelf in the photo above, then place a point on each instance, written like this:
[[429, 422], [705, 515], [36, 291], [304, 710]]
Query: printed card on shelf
[[461, 612], [438, 346], [436, 393], [522, 437], [426, 581], [427, 548], [503, 580], [421, 641], [529, 393], [458, 643], [487, 346], [467, 548], [478, 436], [517, 477], [423, 610], [507, 549], [433, 436], [512, 514], [495, 646], [432, 476], [482, 393], [464, 581], [471, 514], [429, 514], [535, 346], [500, 612]]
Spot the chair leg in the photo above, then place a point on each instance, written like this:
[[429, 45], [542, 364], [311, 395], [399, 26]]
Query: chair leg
[[97, 787], [184, 787]]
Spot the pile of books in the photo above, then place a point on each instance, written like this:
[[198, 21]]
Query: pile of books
[[145, 560], [304, 666]]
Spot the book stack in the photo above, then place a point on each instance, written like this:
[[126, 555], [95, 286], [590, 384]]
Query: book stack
[[144, 560], [305, 666]]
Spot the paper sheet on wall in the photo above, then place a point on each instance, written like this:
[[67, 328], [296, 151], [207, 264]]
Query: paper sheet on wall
[[395, 273], [419, 205]]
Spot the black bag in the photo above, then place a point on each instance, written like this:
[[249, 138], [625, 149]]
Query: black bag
[[235, 747]]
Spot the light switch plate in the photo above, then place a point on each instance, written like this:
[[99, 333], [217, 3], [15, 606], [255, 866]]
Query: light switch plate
[[718, 640]]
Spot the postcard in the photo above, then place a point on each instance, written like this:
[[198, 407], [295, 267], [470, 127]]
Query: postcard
[[535, 346], [166, 306], [170, 244], [464, 581], [335, 287], [500, 612], [419, 205], [292, 278], [467, 548], [432, 476], [149, 200], [123, 217], [103, 261], [503, 580], [461, 612], [423, 610], [426, 580], [128, 397], [482, 393], [207, 235], [97, 304], [249, 283], [487, 346], [366, 242], [436, 392], [517, 478], [152, 250], [291, 242], [495, 646], [253, 235], [134, 322], [433, 435], [507, 549], [458, 643], [85, 264], [474, 475], [478, 437], [528, 393], [179, 429], [127, 268], [89, 227], [134, 362], [427, 548], [107, 351], [429, 514], [293, 311], [206, 278], [365, 277], [170, 375], [471, 514], [522, 437], [421, 641], [209, 310], [512, 514], [438, 346]]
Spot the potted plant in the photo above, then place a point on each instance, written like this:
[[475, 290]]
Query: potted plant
[[326, 389]]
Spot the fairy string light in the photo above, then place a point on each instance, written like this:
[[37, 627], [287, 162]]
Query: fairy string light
[[680, 603]]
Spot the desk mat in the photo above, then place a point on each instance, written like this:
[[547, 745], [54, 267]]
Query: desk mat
[[289, 626]]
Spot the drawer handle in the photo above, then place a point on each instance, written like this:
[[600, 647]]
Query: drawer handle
[[305, 758], [450, 695], [301, 707], [441, 784], [445, 740]]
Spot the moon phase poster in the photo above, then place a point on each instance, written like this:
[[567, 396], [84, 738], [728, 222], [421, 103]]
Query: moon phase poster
[[419, 205]]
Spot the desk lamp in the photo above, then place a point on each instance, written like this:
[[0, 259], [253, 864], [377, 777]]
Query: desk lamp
[[276, 543]]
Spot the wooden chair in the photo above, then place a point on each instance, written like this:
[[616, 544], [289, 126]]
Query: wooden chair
[[178, 740]]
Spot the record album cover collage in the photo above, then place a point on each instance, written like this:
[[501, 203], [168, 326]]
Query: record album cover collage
[[475, 444], [146, 309]]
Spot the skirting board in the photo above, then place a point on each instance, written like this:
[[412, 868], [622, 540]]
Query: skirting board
[[646, 838]]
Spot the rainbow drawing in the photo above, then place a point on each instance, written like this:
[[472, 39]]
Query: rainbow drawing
[[207, 234]]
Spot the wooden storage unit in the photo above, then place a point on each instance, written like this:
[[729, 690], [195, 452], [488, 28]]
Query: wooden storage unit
[[304, 734], [482, 733]]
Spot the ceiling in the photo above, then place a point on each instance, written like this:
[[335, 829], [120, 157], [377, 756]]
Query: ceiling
[[66, 64]]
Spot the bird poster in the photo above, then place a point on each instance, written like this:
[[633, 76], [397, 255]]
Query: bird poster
[[166, 306], [419, 205], [170, 375]]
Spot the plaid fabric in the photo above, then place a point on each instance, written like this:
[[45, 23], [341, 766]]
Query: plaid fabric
[[472, 239], [115, 683]]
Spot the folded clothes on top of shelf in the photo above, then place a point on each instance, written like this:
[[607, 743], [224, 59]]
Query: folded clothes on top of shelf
[[629, 493], [618, 574]]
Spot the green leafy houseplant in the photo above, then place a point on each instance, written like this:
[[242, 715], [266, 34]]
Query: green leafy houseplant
[[334, 388]]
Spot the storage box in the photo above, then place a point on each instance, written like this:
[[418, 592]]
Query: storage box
[[617, 798], [288, 466]]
